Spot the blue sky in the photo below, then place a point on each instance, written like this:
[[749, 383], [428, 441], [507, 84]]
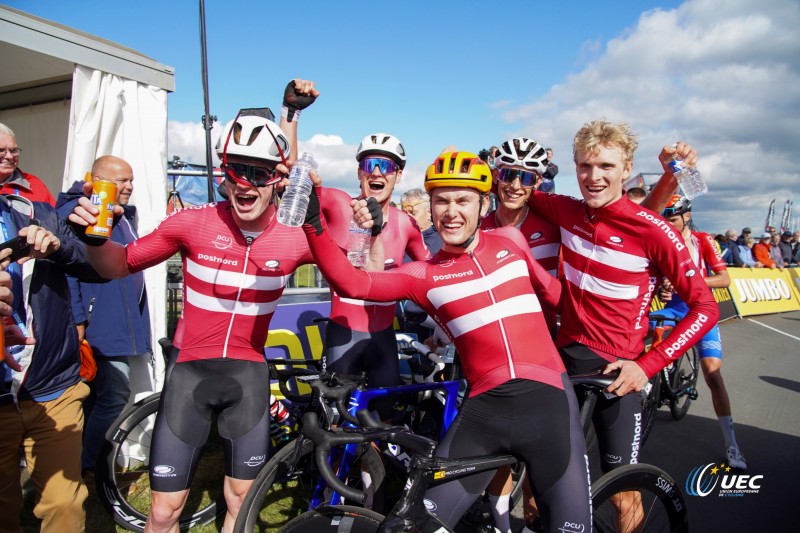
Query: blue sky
[[720, 74]]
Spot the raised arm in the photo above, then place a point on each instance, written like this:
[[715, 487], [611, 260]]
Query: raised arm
[[667, 183]]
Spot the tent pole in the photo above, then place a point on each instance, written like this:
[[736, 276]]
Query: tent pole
[[208, 119]]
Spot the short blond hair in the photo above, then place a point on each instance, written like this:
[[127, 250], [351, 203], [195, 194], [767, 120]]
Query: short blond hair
[[604, 133]]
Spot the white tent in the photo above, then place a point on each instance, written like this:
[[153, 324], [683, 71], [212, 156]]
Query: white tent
[[71, 97]]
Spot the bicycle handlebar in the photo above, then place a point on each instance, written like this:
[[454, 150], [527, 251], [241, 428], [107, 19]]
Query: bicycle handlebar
[[324, 440]]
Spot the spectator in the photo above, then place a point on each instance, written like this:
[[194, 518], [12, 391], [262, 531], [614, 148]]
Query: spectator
[[98, 309], [775, 250], [548, 185], [785, 247], [40, 406], [746, 232], [636, 194], [12, 179], [761, 251], [796, 247], [493, 153], [417, 204], [746, 253], [731, 252]]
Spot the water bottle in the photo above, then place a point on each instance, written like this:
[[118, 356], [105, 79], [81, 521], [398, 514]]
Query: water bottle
[[358, 245], [294, 203], [689, 179]]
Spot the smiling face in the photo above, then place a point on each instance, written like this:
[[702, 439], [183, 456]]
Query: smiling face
[[116, 170], [377, 185], [252, 206], [8, 161], [456, 213], [513, 196], [601, 173]]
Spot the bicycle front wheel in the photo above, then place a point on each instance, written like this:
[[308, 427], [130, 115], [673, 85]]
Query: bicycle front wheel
[[662, 506], [683, 383], [334, 520], [283, 489], [123, 484]]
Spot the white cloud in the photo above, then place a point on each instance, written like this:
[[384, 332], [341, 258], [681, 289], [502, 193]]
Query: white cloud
[[719, 74], [188, 141]]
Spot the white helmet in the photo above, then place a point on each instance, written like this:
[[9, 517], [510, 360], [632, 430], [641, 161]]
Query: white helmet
[[523, 152], [254, 140], [382, 144]]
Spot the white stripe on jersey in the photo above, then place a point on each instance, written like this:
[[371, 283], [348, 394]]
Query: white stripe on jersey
[[607, 256], [234, 279], [439, 296], [599, 286], [544, 251], [363, 303], [217, 305], [519, 305]]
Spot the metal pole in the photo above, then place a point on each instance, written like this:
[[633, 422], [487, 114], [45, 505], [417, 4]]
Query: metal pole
[[208, 119]]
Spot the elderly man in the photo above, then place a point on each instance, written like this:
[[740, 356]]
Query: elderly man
[[417, 204], [730, 253], [12, 179]]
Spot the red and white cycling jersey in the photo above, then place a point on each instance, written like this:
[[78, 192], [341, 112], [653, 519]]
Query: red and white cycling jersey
[[230, 288], [613, 260], [706, 257], [544, 238], [399, 234], [484, 300]]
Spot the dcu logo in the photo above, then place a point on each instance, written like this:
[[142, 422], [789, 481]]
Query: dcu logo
[[706, 479], [223, 242]]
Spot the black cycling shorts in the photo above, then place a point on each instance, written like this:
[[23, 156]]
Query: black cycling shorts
[[617, 421], [237, 392], [539, 424]]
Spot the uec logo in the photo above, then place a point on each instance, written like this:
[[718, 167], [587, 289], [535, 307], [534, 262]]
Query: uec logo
[[702, 481]]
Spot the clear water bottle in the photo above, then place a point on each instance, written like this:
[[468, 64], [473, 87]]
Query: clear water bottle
[[358, 245], [689, 179], [294, 203]]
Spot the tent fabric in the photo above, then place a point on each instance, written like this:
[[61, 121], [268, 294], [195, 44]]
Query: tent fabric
[[111, 115]]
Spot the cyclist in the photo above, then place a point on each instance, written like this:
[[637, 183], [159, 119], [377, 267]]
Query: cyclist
[[484, 290], [709, 262], [236, 262], [519, 164], [614, 254], [360, 336]]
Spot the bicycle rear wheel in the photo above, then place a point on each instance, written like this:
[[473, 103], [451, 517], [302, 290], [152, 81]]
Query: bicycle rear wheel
[[683, 383], [283, 489], [663, 508], [123, 484], [335, 519]]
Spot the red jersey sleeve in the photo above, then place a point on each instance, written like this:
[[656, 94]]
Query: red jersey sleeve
[[162, 243], [674, 261], [710, 253]]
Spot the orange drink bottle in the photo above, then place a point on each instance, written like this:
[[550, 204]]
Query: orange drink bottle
[[104, 196]]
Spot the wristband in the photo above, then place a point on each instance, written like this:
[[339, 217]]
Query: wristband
[[290, 115]]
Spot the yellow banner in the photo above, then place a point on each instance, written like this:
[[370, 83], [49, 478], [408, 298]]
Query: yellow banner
[[761, 291]]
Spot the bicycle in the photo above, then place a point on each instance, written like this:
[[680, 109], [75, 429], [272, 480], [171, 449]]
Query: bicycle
[[676, 384], [662, 501]]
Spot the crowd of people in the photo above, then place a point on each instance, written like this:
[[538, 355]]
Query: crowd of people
[[493, 281]]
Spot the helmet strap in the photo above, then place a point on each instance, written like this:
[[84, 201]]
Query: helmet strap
[[471, 238]]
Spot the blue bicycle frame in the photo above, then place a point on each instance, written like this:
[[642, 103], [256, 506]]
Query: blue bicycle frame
[[359, 400]]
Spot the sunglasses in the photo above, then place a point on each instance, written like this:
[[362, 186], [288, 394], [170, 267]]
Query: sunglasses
[[250, 175], [385, 166], [526, 178], [671, 211]]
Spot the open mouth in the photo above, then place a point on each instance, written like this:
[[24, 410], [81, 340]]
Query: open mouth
[[376, 186], [246, 200]]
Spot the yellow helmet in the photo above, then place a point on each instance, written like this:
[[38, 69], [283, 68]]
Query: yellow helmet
[[459, 169]]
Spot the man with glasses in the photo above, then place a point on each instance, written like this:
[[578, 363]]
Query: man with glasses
[[360, 335], [12, 179], [417, 204], [236, 261]]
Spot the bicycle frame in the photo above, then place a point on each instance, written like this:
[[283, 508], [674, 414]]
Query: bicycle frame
[[360, 399]]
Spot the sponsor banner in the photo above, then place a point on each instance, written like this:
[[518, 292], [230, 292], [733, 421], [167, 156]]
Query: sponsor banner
[[761, 290], [727, 309]]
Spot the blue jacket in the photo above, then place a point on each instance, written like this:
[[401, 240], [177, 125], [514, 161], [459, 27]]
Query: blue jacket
[[115, 312], [52, 364]]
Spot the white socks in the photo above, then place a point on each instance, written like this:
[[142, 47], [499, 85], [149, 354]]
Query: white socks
[[500, 512], [726, 424]]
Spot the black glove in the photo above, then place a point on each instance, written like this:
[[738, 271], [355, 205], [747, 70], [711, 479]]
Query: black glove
[[376, 212], [294, 101], [313, 211]]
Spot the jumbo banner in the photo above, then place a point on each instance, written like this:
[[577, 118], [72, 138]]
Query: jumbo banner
[[761, 290]]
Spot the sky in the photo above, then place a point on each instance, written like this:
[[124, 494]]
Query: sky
[[722, 75]]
